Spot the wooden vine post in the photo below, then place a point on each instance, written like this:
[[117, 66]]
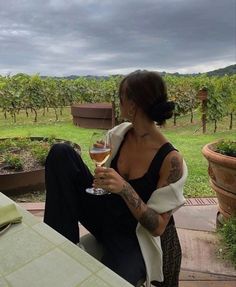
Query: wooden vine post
[[202, 95]]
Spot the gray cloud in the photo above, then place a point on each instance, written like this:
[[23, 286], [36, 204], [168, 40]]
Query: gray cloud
[[63, 37]]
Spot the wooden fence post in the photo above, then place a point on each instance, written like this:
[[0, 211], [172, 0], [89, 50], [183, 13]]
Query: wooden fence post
[[202, 95]]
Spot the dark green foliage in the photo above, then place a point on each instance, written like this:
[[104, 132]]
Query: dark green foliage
[[40, 152], [33, 94], [13, 161], [227, 235], [51, 140], [5, 144], [227, 147], [11, 151]]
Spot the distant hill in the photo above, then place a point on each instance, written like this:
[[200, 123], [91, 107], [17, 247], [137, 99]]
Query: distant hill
[[229, 70], [74, 77]]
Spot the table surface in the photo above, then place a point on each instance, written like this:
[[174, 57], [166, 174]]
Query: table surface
[[33, 254]]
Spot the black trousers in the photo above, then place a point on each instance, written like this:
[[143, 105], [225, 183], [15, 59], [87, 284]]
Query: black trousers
[[67, 203]]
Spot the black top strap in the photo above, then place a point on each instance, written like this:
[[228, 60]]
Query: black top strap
[[158, 159]]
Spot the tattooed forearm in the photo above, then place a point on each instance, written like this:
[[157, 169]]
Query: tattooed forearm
[[175, 172], [132, 198], [150, 220]]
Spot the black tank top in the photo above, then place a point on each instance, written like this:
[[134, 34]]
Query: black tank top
[[120, 218]]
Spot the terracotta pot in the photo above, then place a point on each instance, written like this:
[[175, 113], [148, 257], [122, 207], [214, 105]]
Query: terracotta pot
[[226, 200], [24, 181], [221, 169], [222, 173], [93, 115]]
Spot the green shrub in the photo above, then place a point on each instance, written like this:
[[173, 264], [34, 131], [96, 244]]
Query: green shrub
[[9, 147], [50, 140], [22, 142], [14, 143], [6, 144], [227, 235], [40, 152], [14, 161], [12, 150], [226, 147]]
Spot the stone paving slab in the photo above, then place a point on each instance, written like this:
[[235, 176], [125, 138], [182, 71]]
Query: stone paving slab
[[197, 217], [199, 250]]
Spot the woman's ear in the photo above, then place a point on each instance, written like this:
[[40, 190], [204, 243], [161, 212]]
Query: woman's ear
[[132, 109], [133, 106]]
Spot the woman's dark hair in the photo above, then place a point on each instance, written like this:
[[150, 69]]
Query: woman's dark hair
[[148, 90]]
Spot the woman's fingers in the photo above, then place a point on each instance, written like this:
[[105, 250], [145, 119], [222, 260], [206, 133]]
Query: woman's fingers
[[104, 173], [101, 169], [99, 176], [103, 183], [108, 179]]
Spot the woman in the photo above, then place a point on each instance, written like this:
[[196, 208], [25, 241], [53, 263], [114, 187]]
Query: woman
[[145, 176]]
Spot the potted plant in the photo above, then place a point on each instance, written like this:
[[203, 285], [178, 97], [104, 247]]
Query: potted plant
[[221, 156]]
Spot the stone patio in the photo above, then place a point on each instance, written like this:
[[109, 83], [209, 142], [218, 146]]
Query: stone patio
[[196, 225]]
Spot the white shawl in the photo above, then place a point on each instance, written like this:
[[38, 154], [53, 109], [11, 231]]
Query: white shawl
[[162, 200]]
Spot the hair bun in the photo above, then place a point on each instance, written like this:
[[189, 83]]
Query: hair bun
[[160, 112]]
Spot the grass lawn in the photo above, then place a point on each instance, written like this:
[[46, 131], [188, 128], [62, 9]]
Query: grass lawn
[[186, 137]]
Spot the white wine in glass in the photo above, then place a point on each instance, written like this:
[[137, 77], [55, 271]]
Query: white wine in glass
[[99, 151]]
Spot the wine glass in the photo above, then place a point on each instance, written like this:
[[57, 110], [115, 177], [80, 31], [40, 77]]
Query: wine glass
[[99, 151]]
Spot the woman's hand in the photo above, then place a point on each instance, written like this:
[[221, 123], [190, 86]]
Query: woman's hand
[[108, 179]]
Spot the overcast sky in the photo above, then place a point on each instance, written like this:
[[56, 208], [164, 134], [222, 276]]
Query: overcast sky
[[103, 37]]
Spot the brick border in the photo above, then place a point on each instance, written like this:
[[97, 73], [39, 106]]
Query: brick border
[[36, 207], [198, 201]]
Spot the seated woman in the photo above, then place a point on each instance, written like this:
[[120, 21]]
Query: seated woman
[[145, 177]]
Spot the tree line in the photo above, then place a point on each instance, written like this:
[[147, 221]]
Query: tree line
[[32, 94]]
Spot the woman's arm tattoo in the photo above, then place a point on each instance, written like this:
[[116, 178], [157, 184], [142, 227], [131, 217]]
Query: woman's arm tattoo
[[150, 220], [175, 172], [132, 198]]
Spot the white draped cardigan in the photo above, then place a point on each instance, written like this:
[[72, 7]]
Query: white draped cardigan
[[162, 200]]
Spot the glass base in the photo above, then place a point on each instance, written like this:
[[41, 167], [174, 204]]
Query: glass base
[[97, 191]]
